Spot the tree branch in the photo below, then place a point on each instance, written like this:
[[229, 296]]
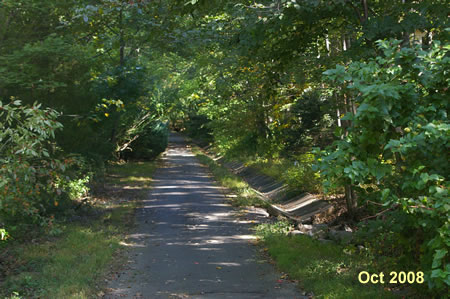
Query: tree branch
[[380, 213], [357, 11]]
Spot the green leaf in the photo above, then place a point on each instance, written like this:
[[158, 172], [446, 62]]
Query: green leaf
[[392, 144]]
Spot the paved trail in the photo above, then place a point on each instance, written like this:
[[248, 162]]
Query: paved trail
[[190, 244]]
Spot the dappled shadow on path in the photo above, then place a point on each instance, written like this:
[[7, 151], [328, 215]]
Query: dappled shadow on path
[[190, 244]]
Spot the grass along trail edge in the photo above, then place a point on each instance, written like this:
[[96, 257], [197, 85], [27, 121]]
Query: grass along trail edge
[[75, 260]]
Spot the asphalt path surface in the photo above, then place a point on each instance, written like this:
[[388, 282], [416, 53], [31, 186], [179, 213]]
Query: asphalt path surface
[[191, 244]]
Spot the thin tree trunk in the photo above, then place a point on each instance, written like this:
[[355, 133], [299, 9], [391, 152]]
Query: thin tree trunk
[[350, 199], [350, 194], [121, 40], [366, 10], [116, 119]]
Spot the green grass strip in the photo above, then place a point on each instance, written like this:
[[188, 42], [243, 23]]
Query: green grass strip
[[326, 270], [245, 196], [72, 264]]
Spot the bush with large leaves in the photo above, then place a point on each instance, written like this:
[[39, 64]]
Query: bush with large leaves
[[395, 151], [34, 180]]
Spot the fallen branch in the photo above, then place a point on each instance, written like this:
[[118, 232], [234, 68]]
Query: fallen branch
[[422, 207], [375, 203], [380, 213]]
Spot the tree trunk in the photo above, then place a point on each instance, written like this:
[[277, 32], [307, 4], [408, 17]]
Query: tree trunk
[[116, 120], [351, 200]]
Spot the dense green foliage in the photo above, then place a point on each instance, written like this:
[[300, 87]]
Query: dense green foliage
[[355, 87], [393, 150], [97, 95], [34, 177]]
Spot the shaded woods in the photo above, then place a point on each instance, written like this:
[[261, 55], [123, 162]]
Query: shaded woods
[[342, 98]]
